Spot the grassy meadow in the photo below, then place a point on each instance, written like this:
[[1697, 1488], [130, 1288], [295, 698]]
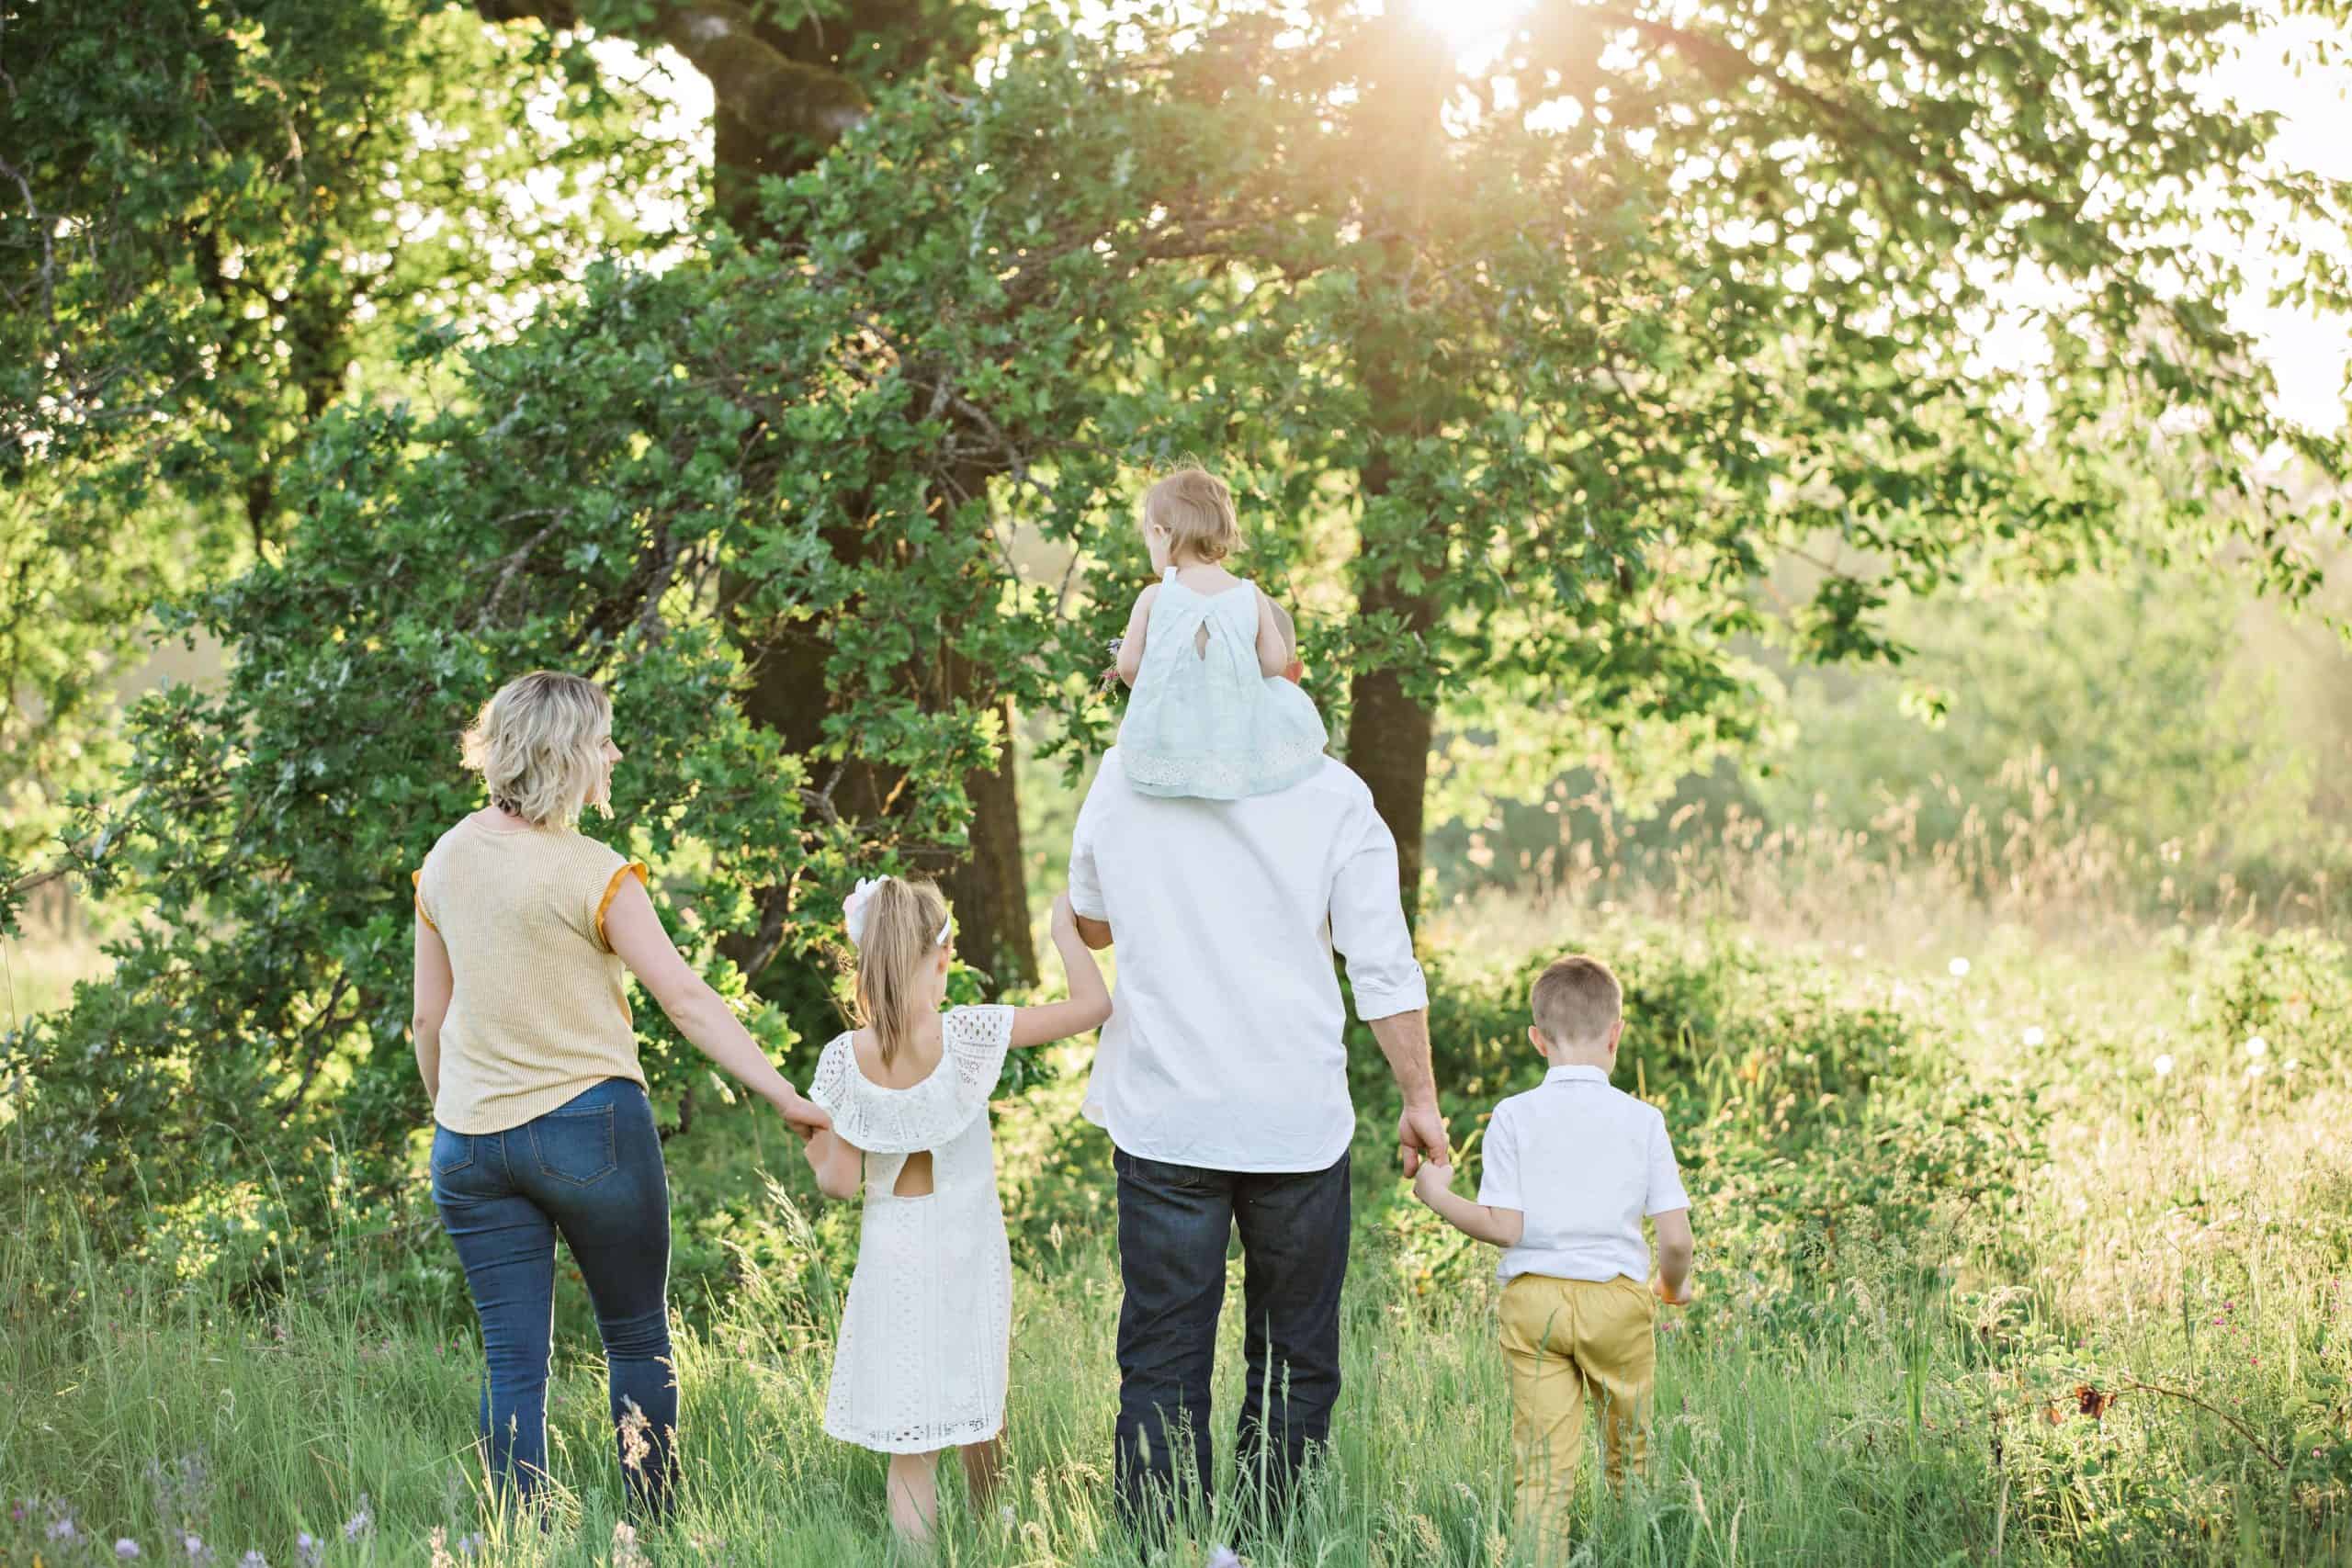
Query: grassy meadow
[[2019, 1243]]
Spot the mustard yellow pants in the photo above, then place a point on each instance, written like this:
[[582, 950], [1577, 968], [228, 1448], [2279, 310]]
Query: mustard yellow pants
[[1565, 1341]]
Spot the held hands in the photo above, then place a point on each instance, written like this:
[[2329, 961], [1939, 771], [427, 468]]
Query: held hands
[[1065, 917], [1690, 1291], [804, 1116], [1433, 1178], [1421, 1136]]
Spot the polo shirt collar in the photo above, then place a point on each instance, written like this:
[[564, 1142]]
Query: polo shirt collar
[[1576, 1073]]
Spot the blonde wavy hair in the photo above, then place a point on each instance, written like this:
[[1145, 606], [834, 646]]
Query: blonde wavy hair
[[899, 942], [539, 747], [1196, 508]]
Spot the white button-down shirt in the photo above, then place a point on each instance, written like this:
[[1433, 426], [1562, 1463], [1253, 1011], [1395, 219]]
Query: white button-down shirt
[[1223, 1050], [1584, 1162]]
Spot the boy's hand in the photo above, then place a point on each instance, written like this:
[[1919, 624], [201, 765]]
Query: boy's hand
[[1431, 1177], [1690, 1291]]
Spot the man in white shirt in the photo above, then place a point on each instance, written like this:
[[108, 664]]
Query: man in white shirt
[[1222, 1081]]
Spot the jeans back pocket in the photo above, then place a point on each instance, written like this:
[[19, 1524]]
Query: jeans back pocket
[[575, 1146]]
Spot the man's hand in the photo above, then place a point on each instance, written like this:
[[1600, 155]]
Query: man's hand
[[1420, 1135]]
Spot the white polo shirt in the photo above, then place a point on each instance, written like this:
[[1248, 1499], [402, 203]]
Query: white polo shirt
[[1584, 1162], [1223, 1050]]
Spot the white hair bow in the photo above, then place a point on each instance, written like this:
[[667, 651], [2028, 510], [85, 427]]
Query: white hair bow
[[854, 910]]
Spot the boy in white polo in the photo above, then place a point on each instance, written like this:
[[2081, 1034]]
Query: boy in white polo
[[1571, 1169]]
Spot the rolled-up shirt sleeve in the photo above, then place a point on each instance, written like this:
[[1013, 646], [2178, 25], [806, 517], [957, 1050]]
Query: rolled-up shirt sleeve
[[1368, 921], [1085, 877]]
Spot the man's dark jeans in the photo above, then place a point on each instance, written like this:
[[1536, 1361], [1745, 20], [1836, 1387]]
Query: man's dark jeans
[[591, 1171], [1174, 1221]]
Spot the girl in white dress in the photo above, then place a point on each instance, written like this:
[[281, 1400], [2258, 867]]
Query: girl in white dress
[[920, 1367], [1212, 715]]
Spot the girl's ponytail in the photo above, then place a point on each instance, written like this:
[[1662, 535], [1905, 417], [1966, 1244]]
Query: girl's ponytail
[[899, 927]]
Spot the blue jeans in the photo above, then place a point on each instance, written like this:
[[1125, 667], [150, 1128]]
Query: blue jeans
[[1174, 1221], [591, 1171]]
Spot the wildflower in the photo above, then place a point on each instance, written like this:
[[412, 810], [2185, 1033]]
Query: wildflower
[[127, 1550], [253, 1559], [197, 1552], [2033, 1035], [2255, 1047], [437, 1549], [63, 1530], [309, 1551], [361, 1525], [469, 1545], [1959, 967], [1223, 1557], [635, 1446], [2290, 1065], [626, 1552], [2163, 1065], [2254, 1069]]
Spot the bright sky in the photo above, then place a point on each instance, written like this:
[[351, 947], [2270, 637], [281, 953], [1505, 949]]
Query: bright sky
[[2309, 355]]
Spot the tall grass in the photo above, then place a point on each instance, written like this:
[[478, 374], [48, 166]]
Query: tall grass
[[2131, 1343]]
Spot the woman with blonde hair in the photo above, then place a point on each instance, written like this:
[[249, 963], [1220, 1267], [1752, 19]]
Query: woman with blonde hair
[[524, 1036]]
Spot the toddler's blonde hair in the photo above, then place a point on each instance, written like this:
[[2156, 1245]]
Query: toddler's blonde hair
[[539, 745], [1575, 1000], [1196, 508], [899, 940]]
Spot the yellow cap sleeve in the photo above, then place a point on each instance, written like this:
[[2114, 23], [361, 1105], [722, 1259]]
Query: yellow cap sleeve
[[612, 890]]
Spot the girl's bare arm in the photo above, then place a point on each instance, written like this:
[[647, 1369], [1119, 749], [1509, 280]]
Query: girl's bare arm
[[1089, 999], [840, 1167]]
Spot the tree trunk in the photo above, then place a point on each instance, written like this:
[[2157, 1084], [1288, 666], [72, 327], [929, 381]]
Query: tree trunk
[[1390, 733], [774, 114], [989, 885]]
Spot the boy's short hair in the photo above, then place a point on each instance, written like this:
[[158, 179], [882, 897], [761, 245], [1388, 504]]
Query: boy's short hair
[[1196, 508], [1575, 1000]]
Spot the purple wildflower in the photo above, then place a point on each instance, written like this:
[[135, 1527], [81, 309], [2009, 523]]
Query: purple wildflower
[[361, 1525], [307, 1549], [126, 1549], [1223, 1557], [64, 1532]]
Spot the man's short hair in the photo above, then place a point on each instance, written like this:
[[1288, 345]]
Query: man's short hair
[[1575, 1003]]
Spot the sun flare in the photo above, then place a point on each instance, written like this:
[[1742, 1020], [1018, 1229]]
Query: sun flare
[[1475, 28]]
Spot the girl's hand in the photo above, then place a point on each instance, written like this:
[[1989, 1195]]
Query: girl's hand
[[1065, 917]]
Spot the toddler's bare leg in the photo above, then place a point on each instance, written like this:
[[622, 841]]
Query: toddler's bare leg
[[914, 1495]]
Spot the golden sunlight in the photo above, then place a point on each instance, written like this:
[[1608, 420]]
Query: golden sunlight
[[1475, 28]]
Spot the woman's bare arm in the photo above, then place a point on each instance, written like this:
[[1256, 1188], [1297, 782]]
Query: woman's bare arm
[[431, 1008], [700, 1013]]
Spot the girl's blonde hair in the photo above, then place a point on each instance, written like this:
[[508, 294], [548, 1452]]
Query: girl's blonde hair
[[900, 939], [539, 747], [1196, 508]]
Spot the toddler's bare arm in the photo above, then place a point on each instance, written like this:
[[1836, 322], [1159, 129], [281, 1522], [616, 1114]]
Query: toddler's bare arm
[[1139, 623], [1274, 649]]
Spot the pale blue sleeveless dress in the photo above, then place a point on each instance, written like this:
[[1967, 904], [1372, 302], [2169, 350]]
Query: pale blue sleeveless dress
[[1202, 721]]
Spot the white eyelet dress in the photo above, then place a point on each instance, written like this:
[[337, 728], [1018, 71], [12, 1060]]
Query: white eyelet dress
[[926, 1338], [1203, 721]]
